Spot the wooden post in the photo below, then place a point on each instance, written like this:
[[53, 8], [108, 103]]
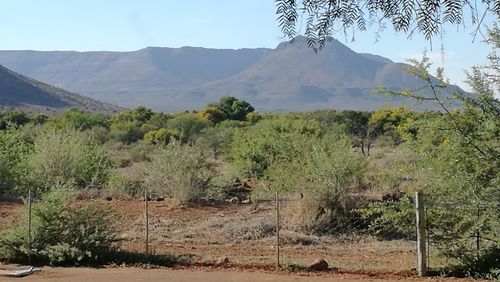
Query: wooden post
[[277, 231], [29, 225], [421, 234], [146, 220]]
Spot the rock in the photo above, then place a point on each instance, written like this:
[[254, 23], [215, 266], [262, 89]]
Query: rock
[[234, 200], [319, 265], [222, 261], [247, 201]]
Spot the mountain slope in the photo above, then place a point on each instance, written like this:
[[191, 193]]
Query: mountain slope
[[17, 91], [294, 78], [289, 78], [149, 70]]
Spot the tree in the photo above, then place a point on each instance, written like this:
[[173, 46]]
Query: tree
[[424, 16], [234, 108], [459, 153], [212, 114], [78, 119]]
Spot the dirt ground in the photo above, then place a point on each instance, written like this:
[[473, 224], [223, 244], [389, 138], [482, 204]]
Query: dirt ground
[[242, 233], [195, 274]]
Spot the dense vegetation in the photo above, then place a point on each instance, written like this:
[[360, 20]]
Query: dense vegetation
[[332, 158]]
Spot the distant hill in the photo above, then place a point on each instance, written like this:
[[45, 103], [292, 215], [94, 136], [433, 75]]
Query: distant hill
[[20, 92], [289, 78]]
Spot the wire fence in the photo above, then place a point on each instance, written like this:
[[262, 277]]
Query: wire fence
[[461, 228], [353, 233]]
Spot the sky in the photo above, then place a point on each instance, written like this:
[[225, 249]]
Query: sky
[[128, 25]]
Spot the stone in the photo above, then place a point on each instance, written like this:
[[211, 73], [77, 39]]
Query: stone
[[234, 200], [222, 261], [319, 265]]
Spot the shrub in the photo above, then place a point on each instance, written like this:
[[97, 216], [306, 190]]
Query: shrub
[[325, 172], [15, 144], [181, 172], [61, 233], [255, 148], [187, 126], [124, 186], [66, 156], [161, 136]]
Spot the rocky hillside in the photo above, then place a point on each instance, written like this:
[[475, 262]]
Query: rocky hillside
[[21, 92]]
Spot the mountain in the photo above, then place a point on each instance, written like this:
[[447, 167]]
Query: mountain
[[18, 91], [290, 77], [294, 78]]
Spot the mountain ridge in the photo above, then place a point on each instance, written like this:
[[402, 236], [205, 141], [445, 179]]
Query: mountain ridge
[[27, 94], [290, 77]]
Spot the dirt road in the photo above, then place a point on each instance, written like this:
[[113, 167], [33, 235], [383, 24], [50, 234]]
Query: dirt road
[[185, 275]]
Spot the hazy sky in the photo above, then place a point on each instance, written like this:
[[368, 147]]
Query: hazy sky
[[126, 25]]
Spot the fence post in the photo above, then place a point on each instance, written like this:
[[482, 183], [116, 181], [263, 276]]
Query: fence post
[[29, 225], [277, 231], [421, 234], [146, 220]]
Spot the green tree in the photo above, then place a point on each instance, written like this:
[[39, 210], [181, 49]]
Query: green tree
[[78, 119], [254, 149], [234, 108], [212, 114], [188, 126], [12, 117], [460, 156]]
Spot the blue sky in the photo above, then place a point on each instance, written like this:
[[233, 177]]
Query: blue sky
[[126, 25]]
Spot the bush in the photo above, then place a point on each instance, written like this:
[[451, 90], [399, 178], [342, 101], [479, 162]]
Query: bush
[[330, 171], [124, 186], [178, 171], [16, 143], [187, 126], [61, 233], [66, 156]]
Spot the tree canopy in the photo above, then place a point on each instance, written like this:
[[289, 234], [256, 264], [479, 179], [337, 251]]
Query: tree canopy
[[324, 17]]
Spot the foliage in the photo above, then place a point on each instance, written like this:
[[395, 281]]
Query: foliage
[[323, 17], [396, 123], [188, 126], [128, 127], [78, 119], [61, 233], [128, 185], [181, 172], [161, 136], [14, 118], [233, 108], [460, 156], [326, 171], [16, 143], [212, 114], [216, 138], [66, 156], [254, 149]]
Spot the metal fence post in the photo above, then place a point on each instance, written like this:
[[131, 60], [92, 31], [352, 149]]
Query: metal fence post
[[29, 225], [277, 230], [421, 234], [146, 220]]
